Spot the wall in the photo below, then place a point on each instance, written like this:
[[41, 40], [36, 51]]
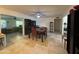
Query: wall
[[44, 22], [64, 21]]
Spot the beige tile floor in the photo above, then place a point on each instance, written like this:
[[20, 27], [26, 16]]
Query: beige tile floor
[[24, 45]]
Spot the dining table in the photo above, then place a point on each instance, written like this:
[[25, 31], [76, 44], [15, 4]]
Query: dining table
[[42, 33]]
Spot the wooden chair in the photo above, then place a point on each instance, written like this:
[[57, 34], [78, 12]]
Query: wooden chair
[[45, 32], [34, 33], [1, 41], [64, 39]]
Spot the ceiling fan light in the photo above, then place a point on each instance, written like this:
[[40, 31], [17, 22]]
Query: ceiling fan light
[[38, 16]]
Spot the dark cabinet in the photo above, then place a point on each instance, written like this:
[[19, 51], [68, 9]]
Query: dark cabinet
[[33, 23], [73, 32], [28, 25], [68, 33]]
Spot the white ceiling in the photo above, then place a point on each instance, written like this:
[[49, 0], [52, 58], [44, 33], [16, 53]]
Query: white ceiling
[[48, 10]]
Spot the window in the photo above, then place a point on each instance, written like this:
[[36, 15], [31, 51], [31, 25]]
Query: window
[[3, 23], [18, 23]]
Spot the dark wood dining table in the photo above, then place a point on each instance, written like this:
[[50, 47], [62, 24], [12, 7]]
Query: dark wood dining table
[[41, 32]]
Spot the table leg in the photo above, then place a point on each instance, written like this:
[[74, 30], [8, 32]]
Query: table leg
[[29, 35], [36, 38], [42, 37], [4, 42]]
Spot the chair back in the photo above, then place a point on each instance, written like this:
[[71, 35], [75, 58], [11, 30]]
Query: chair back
[[33, 31]]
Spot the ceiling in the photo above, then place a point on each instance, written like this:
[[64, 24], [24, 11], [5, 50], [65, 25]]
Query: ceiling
[[48, 10]]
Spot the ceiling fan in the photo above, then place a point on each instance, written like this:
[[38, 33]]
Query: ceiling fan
[[38, 14]]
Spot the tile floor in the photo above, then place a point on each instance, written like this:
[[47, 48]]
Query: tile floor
[[19, 44]]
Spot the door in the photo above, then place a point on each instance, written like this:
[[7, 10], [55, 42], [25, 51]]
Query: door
[[51, 27]]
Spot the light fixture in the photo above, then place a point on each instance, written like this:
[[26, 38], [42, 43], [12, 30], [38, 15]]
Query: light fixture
[[38, 14]]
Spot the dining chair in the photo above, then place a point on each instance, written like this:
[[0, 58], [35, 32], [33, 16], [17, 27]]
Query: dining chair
[[64, 40], [1, 42], [45, 33], [34, 33]]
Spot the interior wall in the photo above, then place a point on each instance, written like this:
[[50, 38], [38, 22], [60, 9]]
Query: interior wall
[[64, 21], [44, 22]]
